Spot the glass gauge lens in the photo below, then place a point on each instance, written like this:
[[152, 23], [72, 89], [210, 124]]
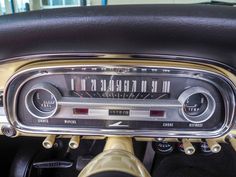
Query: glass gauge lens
[[121, 87], [44, 100], [195, 105]]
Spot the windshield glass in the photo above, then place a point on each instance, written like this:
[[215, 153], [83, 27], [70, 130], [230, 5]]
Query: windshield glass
[[16, 6]]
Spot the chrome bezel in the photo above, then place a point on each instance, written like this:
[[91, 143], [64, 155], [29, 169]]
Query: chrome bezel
[[229, 104], [209, 111]]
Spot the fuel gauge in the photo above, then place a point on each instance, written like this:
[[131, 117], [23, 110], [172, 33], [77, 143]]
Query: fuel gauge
[[41, 100], [44, 100]]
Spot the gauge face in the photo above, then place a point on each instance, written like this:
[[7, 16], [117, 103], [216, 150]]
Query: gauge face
[[44, 100], [195, 105]]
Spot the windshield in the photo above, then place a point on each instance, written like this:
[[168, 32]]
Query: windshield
[[16, 6]]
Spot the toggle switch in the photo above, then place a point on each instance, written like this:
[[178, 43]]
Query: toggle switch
[[188, 147], [232, 141], [213, 145], [74, 142], [49, 141]]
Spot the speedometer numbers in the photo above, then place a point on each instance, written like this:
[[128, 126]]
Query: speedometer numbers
[[120, 87]]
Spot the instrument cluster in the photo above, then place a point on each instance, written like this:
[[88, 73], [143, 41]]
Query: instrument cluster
[[149, 101]]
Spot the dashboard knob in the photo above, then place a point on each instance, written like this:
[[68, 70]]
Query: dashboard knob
[[213, 145], [188, 147], [49, 141], [8, 131], [232, 141], [74, 142], [163, 147]]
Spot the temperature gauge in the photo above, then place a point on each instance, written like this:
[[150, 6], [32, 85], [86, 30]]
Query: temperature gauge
[[198, 105], [195, 105]]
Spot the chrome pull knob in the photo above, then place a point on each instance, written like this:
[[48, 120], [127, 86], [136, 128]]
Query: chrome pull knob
[[74, 142], [188, 147], [49, 141], [213, 145], [232, 141]]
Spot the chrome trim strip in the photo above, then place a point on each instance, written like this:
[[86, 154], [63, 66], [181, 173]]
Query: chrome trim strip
[[103, 102], [85, 55]]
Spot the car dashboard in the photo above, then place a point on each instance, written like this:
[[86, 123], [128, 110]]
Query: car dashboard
[[161, 75]]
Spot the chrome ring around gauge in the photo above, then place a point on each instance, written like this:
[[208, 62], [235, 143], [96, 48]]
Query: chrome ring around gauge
[[41, 100], [198, 104]]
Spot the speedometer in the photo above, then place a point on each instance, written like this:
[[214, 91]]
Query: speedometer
[[120, 87]]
